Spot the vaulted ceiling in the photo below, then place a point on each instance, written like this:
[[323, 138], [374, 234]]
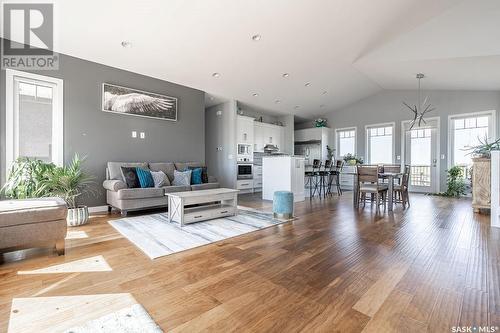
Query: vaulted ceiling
[[334, 51]]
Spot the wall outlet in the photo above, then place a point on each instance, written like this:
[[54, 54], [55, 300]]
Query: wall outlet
[[219, 113], [219, 148], [398, 157], [134, 134], [443, 156], [143, 135]]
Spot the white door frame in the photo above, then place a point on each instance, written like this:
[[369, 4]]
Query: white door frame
[[11, 103], [437, 171]]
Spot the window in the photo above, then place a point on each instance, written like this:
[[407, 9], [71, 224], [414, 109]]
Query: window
[[380, 141], [34, 117], [465, 132], [346, 142]]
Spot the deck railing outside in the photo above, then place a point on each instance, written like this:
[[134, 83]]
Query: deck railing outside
[[420, 175]]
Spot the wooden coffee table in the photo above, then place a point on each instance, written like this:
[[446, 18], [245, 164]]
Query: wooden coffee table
[[195, 206]]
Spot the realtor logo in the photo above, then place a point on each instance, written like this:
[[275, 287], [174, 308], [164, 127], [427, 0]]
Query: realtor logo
[[28, 31]]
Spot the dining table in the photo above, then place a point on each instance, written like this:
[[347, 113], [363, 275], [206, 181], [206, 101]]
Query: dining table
[[390, 176]]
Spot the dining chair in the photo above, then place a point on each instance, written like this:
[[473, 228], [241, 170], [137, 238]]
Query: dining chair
[[401, 192], [369, 182]]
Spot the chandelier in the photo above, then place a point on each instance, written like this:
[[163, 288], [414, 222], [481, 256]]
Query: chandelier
[[420, 109]]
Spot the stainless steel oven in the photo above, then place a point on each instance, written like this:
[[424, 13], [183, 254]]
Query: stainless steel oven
[[245, 170]]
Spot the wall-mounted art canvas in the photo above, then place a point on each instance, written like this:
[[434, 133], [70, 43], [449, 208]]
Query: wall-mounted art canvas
[[135, 102]]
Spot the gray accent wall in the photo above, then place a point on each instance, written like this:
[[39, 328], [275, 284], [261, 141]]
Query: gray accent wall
[[387, 107], [103, 136]]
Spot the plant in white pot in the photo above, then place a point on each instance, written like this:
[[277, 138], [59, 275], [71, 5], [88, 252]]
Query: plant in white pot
[[70, 182]]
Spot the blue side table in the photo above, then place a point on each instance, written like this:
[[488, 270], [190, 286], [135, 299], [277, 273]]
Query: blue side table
[[283, 204]]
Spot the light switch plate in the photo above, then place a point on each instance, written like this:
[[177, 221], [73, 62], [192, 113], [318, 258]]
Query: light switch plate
[[143, 135], [443, 156], [134, 134]]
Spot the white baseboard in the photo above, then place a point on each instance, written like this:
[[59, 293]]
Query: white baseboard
[[98, 209]]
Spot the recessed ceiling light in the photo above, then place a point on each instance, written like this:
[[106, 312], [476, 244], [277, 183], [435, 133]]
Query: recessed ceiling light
[[126, 44], [324, 92], [255, 94], [285, 75], [307, 84], [256, 37], [296, 107], [215, 74], [277, 101]]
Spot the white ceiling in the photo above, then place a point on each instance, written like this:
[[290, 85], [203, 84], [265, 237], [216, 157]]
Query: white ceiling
[[349, 48]]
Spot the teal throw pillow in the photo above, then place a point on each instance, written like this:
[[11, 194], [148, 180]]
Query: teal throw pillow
[[196, 176], [145, 178]]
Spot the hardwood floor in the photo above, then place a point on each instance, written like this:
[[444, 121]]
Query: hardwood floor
[[334, 269]]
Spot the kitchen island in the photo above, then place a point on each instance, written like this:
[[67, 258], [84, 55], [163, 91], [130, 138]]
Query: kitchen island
[[283, 173]]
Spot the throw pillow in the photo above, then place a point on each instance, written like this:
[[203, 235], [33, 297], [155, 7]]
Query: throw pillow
[[130, 177], [204, 173], [182, 178], [160, 178], [196, 176], [145, 178]]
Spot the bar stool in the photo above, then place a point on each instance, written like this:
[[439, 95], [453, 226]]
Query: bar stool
[[325, 184], [312, 177], [339, 164]]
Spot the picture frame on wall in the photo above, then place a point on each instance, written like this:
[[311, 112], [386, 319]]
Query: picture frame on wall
[[133, 102]]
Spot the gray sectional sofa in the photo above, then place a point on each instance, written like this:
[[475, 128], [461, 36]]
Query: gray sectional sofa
[[129, 199]]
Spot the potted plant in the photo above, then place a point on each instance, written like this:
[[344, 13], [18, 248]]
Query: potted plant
[[320, 122], [329, 152], [351, 159], [69, 182], [34, 178], [484, 148], [25, 179]]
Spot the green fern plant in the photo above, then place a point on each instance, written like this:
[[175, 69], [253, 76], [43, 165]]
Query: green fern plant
[[68, 182]]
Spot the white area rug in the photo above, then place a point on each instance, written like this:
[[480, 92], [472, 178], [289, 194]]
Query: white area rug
[[158, 237], [132, 319]]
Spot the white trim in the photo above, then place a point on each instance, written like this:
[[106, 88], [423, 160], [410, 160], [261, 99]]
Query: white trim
[[367, 137], [98, 209], [58, 117], [493, 125], [336, 138], [438, 148]]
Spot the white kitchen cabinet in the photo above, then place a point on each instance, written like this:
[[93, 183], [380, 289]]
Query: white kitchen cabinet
[[259, 137], [244, 129], [267, 134]]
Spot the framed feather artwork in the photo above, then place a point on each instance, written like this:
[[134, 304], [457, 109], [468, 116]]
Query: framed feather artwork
[[135, 102]]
